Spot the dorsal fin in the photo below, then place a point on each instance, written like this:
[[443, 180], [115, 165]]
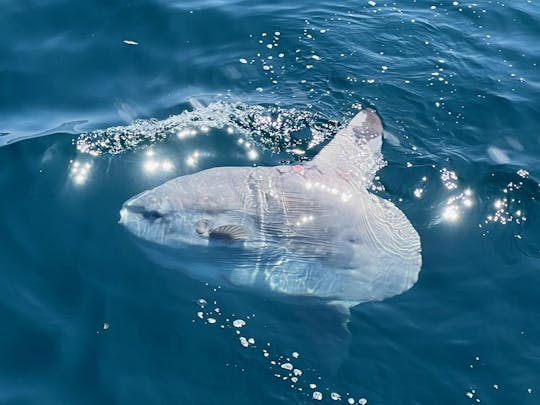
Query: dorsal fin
[[355, 152]]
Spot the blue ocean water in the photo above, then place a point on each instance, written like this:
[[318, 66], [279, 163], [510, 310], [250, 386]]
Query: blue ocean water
[[173, 87]]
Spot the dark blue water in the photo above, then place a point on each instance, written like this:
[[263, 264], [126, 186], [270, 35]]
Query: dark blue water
[[87, 319]]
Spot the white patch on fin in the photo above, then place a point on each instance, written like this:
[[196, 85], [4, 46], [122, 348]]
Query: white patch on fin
[[344, 310], [391, 138], [229, 232]]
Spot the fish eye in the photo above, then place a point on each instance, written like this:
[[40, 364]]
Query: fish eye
[[152, 215], [201, 227]]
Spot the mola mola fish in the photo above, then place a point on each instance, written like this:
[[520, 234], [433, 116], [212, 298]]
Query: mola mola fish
[[310, 230]]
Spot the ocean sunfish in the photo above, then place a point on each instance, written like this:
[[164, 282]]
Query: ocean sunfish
[[305, 230]]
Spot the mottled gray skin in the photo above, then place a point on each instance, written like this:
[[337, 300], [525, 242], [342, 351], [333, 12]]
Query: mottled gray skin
[[309, 230]]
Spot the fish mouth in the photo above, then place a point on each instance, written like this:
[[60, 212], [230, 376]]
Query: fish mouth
[[123, 216]]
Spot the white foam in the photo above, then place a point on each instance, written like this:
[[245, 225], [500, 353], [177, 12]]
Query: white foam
[[273, 126], [243, 341], [287, 366], [238, 323]]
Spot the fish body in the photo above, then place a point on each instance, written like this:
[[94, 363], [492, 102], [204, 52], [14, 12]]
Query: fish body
[[307, 230]]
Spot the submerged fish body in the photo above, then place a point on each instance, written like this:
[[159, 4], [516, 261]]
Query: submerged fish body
[[309, 230]]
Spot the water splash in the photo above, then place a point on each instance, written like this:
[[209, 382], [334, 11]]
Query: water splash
[[272, 127]]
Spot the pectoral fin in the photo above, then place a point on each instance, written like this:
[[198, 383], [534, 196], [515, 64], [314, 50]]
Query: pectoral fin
[[229, 233]]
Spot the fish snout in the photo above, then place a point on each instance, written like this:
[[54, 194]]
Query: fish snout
[[135, 210]]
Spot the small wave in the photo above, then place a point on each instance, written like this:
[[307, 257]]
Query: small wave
[[272, 127], [70, 127]]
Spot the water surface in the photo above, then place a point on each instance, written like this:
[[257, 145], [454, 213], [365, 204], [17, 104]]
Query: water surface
[[88, 319]]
